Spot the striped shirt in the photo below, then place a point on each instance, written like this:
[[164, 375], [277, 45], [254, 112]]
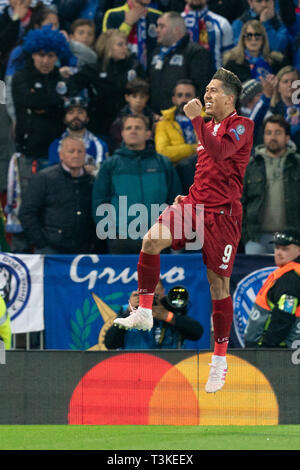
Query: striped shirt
[[219, 30]]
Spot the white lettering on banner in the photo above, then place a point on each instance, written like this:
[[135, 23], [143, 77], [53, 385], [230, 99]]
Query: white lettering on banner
[[175, 274]]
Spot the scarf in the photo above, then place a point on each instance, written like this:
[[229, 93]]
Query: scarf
[[292, 116], [137, 39], [163, 53], [187, 128], [258, 66], [195, 23], [13, 224]]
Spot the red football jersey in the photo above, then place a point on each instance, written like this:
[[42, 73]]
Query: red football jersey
[[223, 154]]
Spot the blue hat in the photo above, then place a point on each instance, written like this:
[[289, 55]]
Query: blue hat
[[48, 40]]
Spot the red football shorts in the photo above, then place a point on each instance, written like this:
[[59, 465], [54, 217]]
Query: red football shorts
[[192, 228]]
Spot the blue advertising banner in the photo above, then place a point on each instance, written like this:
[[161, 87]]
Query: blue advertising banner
[[249, 274], [84, 293]]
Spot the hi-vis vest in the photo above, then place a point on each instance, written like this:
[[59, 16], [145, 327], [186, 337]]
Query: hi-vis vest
[[5, 329], [262, 296]]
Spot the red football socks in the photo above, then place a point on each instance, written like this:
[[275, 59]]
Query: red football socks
[[148, 270], [222, 319]]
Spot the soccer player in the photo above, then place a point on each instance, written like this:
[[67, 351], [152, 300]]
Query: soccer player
[[224, 148]]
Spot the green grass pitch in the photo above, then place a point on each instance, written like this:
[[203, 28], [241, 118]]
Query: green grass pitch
[[66, 437]]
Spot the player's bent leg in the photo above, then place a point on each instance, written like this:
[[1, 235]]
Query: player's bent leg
[[222, 319], [156, 239]]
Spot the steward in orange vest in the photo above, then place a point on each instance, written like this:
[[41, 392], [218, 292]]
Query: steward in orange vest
[[274, 320]]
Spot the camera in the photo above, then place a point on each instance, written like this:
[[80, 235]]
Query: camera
[[175, 301]]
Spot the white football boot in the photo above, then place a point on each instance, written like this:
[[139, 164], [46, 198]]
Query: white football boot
[[139, 319], [217, 375]]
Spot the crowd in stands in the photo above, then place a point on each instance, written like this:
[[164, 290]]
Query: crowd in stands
[[91, 108]]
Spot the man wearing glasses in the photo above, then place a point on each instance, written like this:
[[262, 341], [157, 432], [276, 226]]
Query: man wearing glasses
[[275, 317], [264, 11]]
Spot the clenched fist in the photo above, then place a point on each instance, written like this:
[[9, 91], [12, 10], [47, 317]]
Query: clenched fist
[[193, 108]]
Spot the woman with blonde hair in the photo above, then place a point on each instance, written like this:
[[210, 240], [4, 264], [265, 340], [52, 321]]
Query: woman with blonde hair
[[251, 57], [285, 100], [104, 82]]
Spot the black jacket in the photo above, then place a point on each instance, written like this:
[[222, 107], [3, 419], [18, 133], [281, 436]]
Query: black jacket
[[243, 71], [9, 36], [39, 109], [56, 211], [162, 336], [255, 190], [189, 60], [106, 90]]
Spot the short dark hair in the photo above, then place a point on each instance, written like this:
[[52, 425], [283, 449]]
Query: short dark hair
[[136, 116], [82, 22], [231, 83], [137, 85], [278, 119], [184, 81]]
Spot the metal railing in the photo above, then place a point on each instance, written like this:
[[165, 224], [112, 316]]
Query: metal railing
[[28, 341]]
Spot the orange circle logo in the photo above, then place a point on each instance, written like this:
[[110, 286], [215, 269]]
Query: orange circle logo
[[140, 388]]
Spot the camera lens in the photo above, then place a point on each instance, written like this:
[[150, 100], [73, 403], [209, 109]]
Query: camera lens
[[178, 296]]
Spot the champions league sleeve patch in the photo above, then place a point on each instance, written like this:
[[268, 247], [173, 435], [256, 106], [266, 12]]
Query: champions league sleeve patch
[[239, 130], [288, 303]]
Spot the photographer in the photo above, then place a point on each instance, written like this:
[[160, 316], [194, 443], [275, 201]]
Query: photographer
[[171, 326]]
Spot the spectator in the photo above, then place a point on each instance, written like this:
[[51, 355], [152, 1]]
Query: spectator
[[210, 30], [7, 147], [170, 328], [274, 319], [82, 39], [255, 101], [138, 21], [285, 100], [264, 11], [176, 57], [137, 172], [251, 58], [13, 21], [230, 9], [55, 211], [106, 80], [83, 31], [41, 15], [271, 197], [38, 99], [76, 121], [137, 94], [174, 133]]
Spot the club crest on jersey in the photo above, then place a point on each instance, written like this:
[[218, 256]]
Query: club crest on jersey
[[215, 130], [239, 130]]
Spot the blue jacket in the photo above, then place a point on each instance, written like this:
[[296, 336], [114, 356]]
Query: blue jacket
[[276, 31], [143, 177]]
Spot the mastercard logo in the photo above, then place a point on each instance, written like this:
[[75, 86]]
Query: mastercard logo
[[140, 388]]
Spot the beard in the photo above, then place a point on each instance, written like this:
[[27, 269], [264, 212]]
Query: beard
[[76, 125], [180, 108], [274, 147]]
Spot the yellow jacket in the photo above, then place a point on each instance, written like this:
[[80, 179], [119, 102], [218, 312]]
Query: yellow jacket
[[169, 138], [5, 329]]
